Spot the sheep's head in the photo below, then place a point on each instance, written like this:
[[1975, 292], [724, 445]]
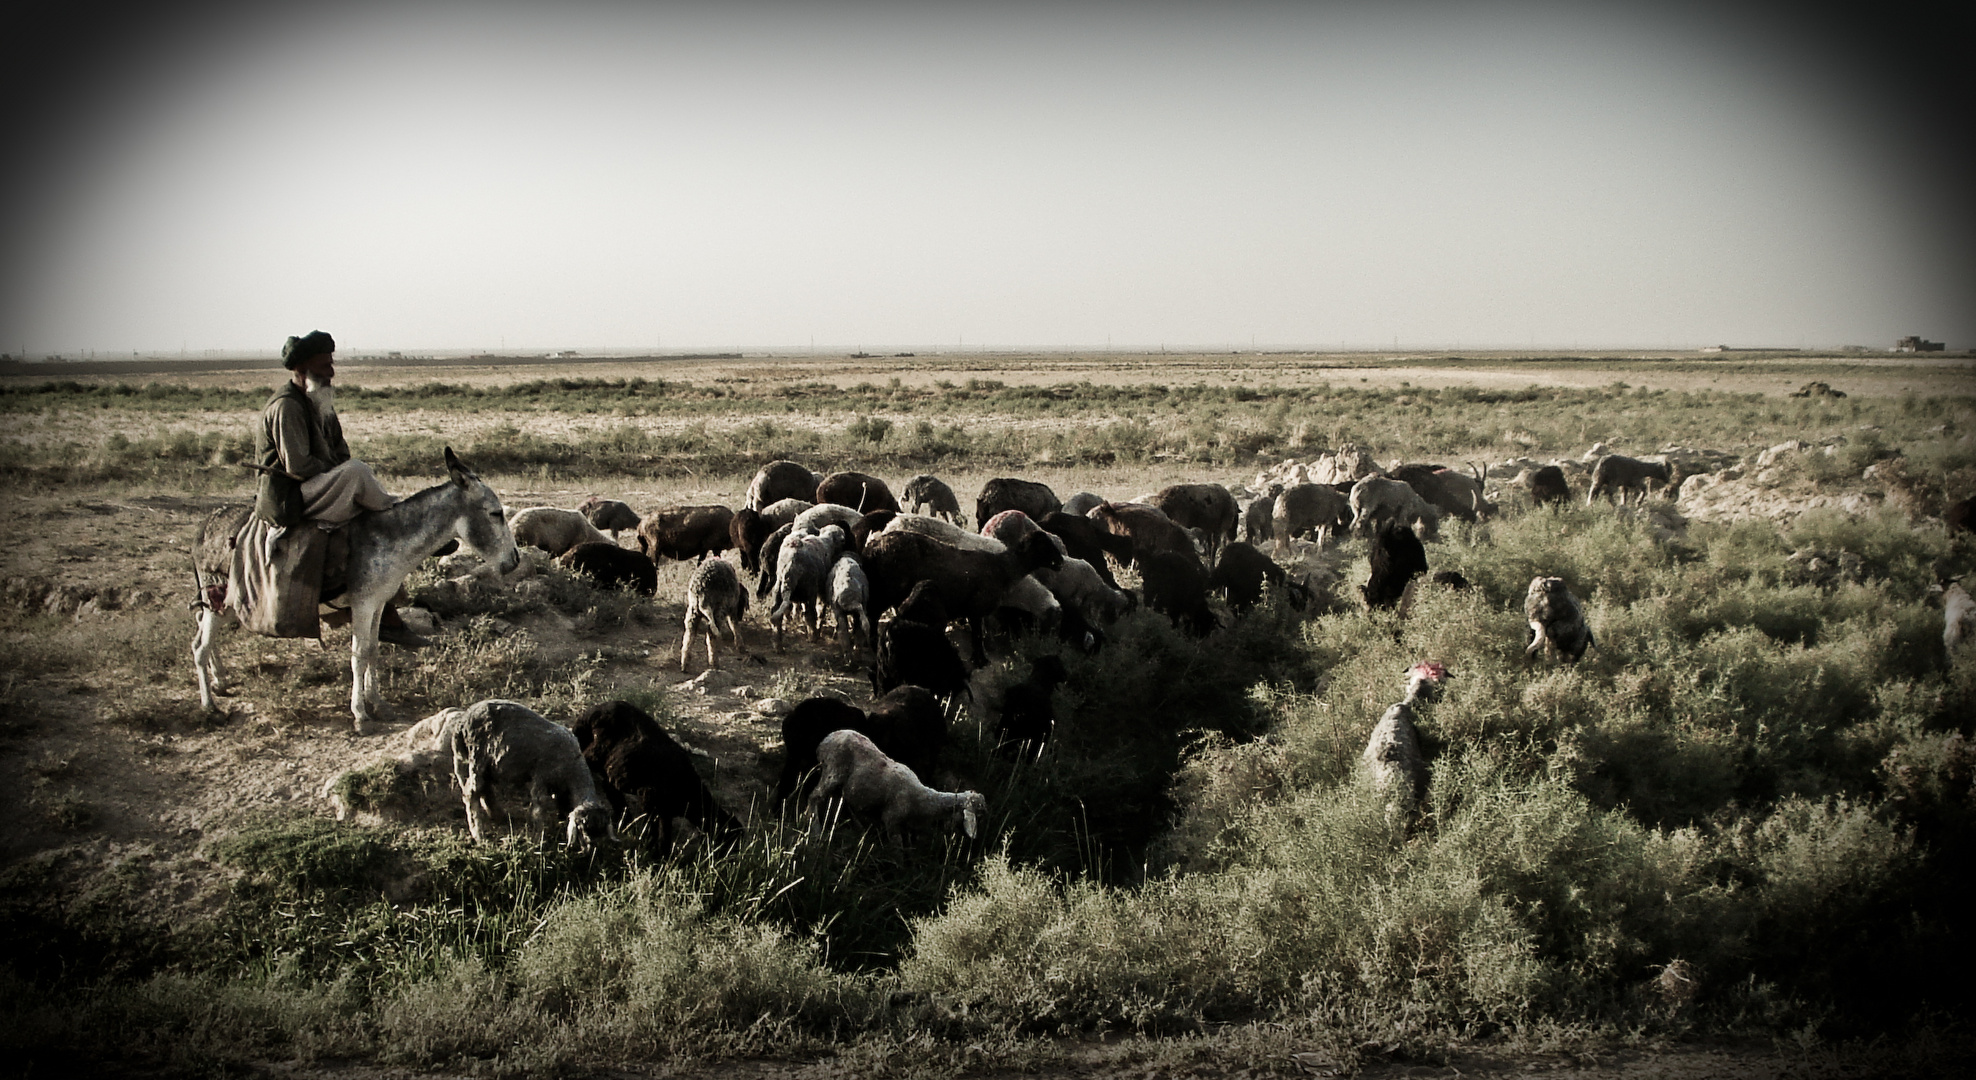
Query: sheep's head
[[1424, 680], [972, 808], [588, 823]]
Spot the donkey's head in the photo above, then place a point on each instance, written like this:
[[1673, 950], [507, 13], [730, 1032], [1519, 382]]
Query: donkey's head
[[483, 528]]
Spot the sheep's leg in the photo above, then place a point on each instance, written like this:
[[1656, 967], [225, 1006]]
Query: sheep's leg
[[810, 617], [476, 801], [688, 643], [1538, 640], [205, 662]]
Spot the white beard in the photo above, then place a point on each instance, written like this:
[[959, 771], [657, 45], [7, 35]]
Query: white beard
[[324, 396]]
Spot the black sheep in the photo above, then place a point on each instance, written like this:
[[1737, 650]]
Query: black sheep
[[1397, 558], [1028, 717], [1243, 571], [907, 724], [1176, 586], [919, 654], [1086, 539], [643, 769], [611, 566]]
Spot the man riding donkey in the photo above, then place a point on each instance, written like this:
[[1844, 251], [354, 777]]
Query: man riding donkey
[[291, 556]]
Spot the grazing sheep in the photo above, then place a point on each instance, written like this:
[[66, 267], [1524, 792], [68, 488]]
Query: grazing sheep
[[714, 594], [1080, 588], [1149, 529], [1008, 493], [1392, 760], [802, 579], [862, 492], [1259, 517], [1207, 507], [971, 583], [686, 532], [784, 511], [1377, 501], [1314, 510], [1029, 605], [1396, 558], [1615, 475], [506, 744], [1451, 579], [907, 723], [1958, 616], [874, 522], [1010, 526], [1028, 717], [857, 772], [771, 555], [1960, 517], [1242, 572], [1085, 539], [1547, 485], [608, 515], [645, 771], [780, 480], [944, 531], [923, 604], [928, 491], [850, 599], [747, 532], [919, 654], [823, 515], [554, 531], [1079, 504], [1448, 491], [1176, 586], [612, 567], [1557, 622]]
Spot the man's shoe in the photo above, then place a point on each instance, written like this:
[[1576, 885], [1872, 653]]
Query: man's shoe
[[403, 637]]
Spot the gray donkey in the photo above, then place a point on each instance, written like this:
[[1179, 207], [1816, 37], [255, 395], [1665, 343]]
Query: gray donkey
[[385, 547]]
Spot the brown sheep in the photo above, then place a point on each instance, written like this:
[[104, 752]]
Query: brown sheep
[[686, 532], [1207, 507], [779, 480], [1150, 530], [1007, 493], [862, 492]]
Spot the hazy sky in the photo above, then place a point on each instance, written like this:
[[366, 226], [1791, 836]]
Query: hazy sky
[[430, 176]]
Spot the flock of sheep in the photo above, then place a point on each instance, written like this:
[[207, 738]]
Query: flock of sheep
[[842, 544]]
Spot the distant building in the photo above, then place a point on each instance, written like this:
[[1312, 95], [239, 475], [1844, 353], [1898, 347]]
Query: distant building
[[1916, 343]]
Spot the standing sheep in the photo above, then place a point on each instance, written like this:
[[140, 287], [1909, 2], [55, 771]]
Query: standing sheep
[[608, 515], [971, 584], [1207, 507], [1615, 475], [686, 532], [1085, 539], [862, 492], [505, 744], [780, 480], [1177, 586], [1258, 518], [747, 532], [714, 594], [1079, 504], [857, 772], [1396, 559], [926, 491], [1241, 573], [850, 601], [1378, 500], [802, 578], [1547, 485], [645, 771], [1008, 493], [1557, 622], [1028, 717], [1314, 510], [1150, 530], [907, 723]]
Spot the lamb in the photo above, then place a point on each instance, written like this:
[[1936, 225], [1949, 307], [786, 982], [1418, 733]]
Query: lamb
[[1615, 475], [1028, 717], [857, 772], [1085, 539], [1397, 558], [554, 531], [802, 577], [1307, 509], [1258, 518], [1448, 491], [1378, 500], [1177, 587], [1207, 507], [612, 567], [907, 723], [747, 532], [862, 492], [1008, 493], [1958, 616], [714, 594], [928, 491], [609, 515], [1392, 760], [1557, 622], [970, 583], [1150, 530], [850, 599], [507, 744], [686, 532], [1242, 572], [1079, 504], [780, 480], [645, 771], [784, 511]]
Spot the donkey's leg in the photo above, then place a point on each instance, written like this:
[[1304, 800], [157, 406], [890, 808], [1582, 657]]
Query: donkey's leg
[[205, 662], [368, 613]]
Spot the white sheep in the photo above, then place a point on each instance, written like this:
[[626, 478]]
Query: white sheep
[[714, 595], [1958, 616], [555, 531], [1077, 586], [507, 744], [946, 532], [850, 599], [823, 515], [802, 576], [856, 771], [1392, 761]]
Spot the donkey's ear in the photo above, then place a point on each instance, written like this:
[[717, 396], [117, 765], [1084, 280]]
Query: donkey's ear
[[460, 473]]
